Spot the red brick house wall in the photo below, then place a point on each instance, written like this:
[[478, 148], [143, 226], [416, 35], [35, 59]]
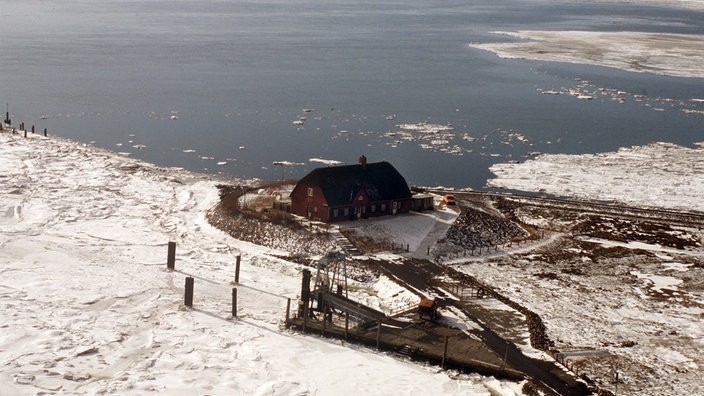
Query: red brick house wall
[[307, 200], [351, 192]]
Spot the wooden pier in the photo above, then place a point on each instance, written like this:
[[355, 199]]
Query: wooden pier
[[422, 340]]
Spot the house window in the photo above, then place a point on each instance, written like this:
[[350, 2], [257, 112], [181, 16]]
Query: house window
[[310, 191], [334, 213], [345, 212], [373, 209], [383, 207], [361, 198]]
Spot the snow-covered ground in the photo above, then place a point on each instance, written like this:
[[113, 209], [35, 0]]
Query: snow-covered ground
[[662, 175], [641, 309], [414, 232], [615, 287], [87, 305]]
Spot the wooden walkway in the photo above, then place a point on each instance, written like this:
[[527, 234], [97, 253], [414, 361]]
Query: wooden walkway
[[420, 340]]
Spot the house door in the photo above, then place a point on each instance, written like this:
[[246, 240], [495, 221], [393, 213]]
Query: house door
[[394, 207]]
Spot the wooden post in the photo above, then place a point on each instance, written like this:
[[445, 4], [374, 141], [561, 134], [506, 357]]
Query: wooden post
[[616, 390], [325, 320], [188, 298], [234, 304], [32, 128], [171, 257], [347, 324], [428, 250], [288, 312], [305, 316], [25, 133], [444, 353], [305, 291], [44, 132], [237, 269], [378, 334]]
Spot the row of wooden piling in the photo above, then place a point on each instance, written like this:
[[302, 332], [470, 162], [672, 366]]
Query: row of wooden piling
[[22, 128], [171, 261], [190, 282], [188, 295], [326, 329]]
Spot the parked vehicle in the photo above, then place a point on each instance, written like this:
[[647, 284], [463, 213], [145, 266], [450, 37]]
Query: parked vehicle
[[427, 309], [449, 199]]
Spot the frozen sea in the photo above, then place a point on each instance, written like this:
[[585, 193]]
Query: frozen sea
[[230, 87]]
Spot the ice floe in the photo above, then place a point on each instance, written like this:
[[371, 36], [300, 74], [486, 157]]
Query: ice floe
[[679, 55], [660, 174]]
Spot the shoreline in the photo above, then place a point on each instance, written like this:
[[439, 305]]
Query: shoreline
[[595, 177], [92, 308]]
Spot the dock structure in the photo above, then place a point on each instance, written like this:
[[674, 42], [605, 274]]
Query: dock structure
[[490, 348], [327, 310], [418, 340], [358, 311]]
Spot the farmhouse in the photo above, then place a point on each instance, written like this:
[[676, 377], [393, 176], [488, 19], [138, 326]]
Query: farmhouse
[[351, 192]]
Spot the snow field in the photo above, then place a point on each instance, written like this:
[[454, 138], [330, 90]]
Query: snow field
[[88, 307]]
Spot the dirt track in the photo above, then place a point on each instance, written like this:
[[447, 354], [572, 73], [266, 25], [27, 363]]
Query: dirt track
[[598, 286], [416, 275]]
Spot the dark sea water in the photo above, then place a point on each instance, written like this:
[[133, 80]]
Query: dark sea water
[[219, 86]]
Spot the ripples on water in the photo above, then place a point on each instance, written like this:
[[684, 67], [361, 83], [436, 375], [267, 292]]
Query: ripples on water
[[232, 87]]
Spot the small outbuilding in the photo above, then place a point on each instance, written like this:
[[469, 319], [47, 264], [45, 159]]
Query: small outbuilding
[[351, 192], [422, 202]]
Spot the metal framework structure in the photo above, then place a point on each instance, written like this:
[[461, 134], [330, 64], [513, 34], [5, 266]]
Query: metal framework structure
[[332, 274], [329, 296]]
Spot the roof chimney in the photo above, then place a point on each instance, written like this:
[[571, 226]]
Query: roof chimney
[[363, 161]]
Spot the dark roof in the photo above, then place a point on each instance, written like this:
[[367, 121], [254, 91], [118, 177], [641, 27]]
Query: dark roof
[[340, 184]]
